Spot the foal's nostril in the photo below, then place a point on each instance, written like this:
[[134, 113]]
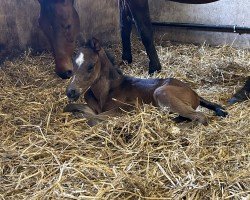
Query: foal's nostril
[[72, 94]]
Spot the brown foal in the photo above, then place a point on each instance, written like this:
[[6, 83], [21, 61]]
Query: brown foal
[[107, 90]]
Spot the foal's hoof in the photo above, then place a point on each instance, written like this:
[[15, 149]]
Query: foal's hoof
[[200, 117], [93, 122], [202, 120], [220, 112]]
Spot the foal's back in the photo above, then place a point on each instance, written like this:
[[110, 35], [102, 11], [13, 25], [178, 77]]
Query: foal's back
[[131, 89]]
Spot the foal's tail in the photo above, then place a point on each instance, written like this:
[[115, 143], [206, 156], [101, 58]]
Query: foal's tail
[[219, 110]]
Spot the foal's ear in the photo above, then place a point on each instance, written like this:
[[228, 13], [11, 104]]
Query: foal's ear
[[95, 44]]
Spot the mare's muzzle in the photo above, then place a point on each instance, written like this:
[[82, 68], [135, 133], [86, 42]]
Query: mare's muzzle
[[65, 75]]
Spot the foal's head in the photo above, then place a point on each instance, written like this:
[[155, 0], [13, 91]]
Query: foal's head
[[87, 66]]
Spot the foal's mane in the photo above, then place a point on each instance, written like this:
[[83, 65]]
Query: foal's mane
[[115, 72], [110, 56]]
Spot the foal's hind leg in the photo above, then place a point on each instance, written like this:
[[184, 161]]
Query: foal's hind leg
[[179, 100]]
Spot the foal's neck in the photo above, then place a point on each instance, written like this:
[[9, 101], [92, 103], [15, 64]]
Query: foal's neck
[[109, 72], [110, 77]]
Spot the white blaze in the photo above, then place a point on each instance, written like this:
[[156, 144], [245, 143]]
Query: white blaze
[[80, 59], [73, 78]]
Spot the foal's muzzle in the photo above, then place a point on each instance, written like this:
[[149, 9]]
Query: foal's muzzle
[[73, 94]]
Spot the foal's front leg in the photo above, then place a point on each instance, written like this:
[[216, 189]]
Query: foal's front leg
[[89, 110], [85, 111], [92, 110]]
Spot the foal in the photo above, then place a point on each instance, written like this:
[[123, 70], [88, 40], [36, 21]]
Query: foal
[[107, 90]]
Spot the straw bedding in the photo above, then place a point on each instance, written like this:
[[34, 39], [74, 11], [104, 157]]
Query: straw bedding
[[48, 154]]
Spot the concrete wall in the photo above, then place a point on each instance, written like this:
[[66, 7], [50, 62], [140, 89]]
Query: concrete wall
[[99, 18], [19, 28], [223, 12], [18, 24]]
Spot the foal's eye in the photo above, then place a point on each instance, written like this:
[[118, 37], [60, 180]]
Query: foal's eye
[[90, 67]]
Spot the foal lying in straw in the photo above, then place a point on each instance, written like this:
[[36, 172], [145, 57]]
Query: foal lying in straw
[[107, 90]]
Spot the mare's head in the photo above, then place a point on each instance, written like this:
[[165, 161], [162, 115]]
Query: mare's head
[[60, 23], [87, 69]]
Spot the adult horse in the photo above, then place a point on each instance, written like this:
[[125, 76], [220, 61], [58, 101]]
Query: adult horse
[[60, 23], [243, 94]]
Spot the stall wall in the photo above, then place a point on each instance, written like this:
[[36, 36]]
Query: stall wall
[[223, 12], [19, 23], [19, 26]]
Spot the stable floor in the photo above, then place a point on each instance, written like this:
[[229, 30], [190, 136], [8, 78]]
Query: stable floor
[[46, 153]]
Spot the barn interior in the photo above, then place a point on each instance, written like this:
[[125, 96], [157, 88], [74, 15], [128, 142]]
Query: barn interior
[[48, 154]]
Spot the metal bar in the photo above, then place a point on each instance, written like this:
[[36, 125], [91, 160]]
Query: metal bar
[[205, 27]]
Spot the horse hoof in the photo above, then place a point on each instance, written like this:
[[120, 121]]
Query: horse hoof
[[123, 62], [127, 59], [152, 71], [154, 68], [220, 112]]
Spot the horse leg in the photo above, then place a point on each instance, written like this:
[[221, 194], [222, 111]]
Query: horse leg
[[243, 94], [92, 101], [104, 116], [126, 28], [171, 96], [83, 110], [141, 15], [218, 109]]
